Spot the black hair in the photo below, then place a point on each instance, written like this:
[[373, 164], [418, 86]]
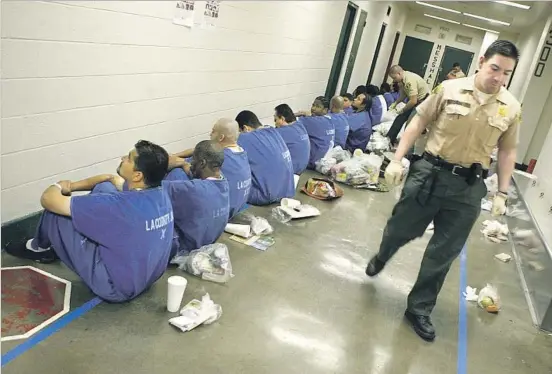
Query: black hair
[[372, 90], [152, 160], [283, 110], [396, 87], [348, 96], [248, 118], [367, 102], [385, 87], [456, 64], [504, 48], [324, 101], [359, 90], [210, 152]]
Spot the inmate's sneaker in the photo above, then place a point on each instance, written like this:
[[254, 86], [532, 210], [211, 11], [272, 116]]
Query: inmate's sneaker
[[422, 325], [30, 252]]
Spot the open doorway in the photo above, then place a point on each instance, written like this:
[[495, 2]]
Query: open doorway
[[391, 55], [343, 41], [376, 54], [451, 56]]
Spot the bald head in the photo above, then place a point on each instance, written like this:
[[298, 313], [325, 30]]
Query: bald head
[[225, 132], [396, 73], [336, 104]]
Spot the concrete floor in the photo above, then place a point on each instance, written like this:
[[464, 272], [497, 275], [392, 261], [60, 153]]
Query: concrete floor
[[305, 306]]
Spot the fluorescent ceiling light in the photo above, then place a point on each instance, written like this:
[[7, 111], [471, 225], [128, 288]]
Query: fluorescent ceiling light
[[480, 28], [487, 19], [516, 5], [438, 7], [442, 19]]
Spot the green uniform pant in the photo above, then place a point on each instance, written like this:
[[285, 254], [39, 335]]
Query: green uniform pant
[[432, 194]]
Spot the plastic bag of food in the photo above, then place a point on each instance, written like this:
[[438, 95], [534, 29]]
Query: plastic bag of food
[[378, 143], [339, 154], [210, 262], [361, 169], [324, 165], [488, 299]]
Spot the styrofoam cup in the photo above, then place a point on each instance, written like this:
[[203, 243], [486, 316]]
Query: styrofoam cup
[[177, 286], [291, 203], [241, 230]]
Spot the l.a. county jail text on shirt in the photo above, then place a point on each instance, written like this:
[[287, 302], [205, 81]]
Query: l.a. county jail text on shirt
[[321, 135], [200, 210], [297, 140], [134, 232], [238, 173], [271, 166]]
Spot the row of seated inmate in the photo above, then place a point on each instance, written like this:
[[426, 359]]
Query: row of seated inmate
[[121, 237]]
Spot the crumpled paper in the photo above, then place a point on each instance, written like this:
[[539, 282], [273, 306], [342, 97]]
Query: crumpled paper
[[495, 231], [196, 313]]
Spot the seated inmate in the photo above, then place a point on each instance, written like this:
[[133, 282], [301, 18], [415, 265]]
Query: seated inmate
[[118, 242], [360, 124], [269, 159], [348, 103], [235, 168], [201, 204], [339, 120], [320, 128], [295, 136]]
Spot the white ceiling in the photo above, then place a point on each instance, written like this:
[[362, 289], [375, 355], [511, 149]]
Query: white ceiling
[[519, 19]]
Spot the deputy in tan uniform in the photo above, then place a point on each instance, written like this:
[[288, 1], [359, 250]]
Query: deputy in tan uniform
[[468, 117], [456, 72], [411, 86]]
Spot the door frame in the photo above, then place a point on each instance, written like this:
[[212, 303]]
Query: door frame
[[341, 49], [447, 47], [359, 31], [392, 55], [376, 53]]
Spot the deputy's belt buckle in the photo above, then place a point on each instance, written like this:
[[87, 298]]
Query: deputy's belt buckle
[[454, 169]]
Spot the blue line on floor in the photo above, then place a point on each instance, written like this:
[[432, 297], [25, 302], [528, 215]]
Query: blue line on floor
[[49, 330], [462, 317]]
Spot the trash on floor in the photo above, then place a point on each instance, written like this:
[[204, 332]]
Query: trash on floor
[[261, 243], [322, 189], [486, 204], [377, 187], [535, 265], [470, 294], [293, 209], [527, 238], [488, 299], [196, 313], [504, 257], [517, 211], [495, 231], [247, 225], [210, 262]]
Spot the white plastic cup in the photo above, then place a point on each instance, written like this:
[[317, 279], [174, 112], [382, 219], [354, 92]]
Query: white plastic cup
[[177, 286], [241, 230], [290, 203]]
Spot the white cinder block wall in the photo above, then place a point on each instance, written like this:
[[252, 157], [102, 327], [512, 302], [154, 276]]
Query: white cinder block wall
[[82, 81]]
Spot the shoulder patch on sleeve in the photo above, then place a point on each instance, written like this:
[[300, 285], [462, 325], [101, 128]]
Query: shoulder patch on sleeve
[[437, 89]]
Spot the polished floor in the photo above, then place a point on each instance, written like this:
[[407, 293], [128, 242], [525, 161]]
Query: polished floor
[[306, 306]]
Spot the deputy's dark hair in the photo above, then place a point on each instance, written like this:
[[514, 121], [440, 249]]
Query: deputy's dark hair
[[152, 160], [209, 152], [324, 101], [504, 48], [248, 118], [283, 110]]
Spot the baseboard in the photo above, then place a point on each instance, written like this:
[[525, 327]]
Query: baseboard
[[18, 231]]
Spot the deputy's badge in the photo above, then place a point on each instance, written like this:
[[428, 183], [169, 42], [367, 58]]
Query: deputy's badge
[[408, 85], [502, 111], [437, 89]]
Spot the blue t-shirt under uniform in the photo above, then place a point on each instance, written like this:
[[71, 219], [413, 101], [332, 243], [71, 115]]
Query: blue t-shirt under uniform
[[271, 166], [134, 233], [238, 173], [341, 125], [321, 135], [297, 140], [200, 211]]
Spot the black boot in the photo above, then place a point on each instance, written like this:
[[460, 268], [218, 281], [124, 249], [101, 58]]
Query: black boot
[[422, 325], [374, 266], [20, 250]]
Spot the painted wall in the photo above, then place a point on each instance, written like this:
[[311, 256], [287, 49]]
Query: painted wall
[[83, 81], [437, 28]]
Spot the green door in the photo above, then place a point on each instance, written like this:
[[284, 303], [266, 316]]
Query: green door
[[450, 56], [415, 55]]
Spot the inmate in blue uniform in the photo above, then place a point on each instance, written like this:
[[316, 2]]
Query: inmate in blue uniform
[[200, 211], [321, 135], [297, 140], [376, 111], [388, 98], [237, 172], [341, 125], [271, 166], [348, 111], [119, 243], [360, 131]]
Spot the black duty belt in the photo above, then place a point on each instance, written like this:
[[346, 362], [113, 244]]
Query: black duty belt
[[472, 173]]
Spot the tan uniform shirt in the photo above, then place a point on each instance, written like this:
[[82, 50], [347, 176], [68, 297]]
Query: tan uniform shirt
[[463, 131], [413, 84]]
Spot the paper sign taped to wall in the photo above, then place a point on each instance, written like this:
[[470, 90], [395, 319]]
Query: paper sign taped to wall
[[184, 13], [211, 14]]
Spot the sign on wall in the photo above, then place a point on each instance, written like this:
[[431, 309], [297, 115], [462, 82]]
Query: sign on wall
[[544, 55], [211, 14], [434, 67], [184, 13]]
